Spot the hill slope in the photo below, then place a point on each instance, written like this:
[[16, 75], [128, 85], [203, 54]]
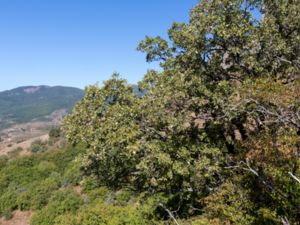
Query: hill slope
[[28, 103]]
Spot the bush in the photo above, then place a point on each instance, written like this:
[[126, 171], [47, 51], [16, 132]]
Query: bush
[[24, 201], [123, 197], [8, 215], [30, 182], [38, 146], [89, 183], [43, 191], [46, 167], [62, 202], [55, 132], [104, 214], [101, 194], [8, 202], [55, 137], [73, 175], [3, 161]]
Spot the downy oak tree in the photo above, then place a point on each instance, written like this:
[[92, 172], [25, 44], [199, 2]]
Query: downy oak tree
[[217, 131]]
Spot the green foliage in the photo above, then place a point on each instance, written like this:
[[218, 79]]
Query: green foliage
[[109, 111], [61, 202], [8, 201], [28, 183], [3, 161], [72, 174], [38, 146], [217, 131], [55, 132], [213, 139], [40, 195], [156, 49], [103, 214]]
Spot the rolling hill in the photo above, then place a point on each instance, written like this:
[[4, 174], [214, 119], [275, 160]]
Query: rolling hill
[[25, 104]]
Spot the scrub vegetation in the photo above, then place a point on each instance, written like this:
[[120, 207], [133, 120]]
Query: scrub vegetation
[[213, 138]]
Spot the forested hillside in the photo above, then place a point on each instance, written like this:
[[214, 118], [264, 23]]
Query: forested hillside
[[213, 139], [24, 104]]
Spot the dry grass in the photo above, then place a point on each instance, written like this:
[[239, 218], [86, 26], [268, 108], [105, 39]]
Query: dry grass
[[22, 135], [24, 145], [19, 218]]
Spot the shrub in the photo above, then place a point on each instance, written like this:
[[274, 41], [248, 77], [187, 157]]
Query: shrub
[[8, 215], [42, 192], [104, 214], [38, 146], [55, 132], [46, 167], [8, 202], [3, 161], [101, 194], [123, 197], [72, 175], [89, 183], [62, 202]]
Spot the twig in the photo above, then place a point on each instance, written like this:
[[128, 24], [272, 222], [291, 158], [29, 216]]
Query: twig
[[285, 221], [294, 177], [170, 213]]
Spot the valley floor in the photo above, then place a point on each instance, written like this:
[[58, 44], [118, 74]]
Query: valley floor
[[25, 145]]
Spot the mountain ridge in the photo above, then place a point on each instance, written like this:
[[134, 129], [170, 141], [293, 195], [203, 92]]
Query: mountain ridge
[[35, 102]]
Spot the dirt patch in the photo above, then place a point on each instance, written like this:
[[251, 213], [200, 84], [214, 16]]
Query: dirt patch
[[18, 133], [25, 145], [77, 189], [19, 218]]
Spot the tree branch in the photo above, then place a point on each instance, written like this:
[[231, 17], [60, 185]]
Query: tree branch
[[170, 213], [294, 177]]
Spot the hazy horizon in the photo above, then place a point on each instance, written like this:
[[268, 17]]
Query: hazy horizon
[[41, 85]]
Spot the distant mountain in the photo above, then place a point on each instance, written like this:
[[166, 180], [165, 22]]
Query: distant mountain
[[24, 104]]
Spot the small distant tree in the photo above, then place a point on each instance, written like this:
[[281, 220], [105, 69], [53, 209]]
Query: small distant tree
[[98, 120], [38, 146], [55, 132]]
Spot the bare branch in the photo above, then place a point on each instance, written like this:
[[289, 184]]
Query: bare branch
[[285, 221], [250, 169], [170, 213], [247, 168], [294, 177]]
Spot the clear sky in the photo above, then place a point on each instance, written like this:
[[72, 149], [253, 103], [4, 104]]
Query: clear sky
[[80, 42]]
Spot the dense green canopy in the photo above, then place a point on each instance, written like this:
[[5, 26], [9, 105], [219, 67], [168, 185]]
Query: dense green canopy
[[217, 132]]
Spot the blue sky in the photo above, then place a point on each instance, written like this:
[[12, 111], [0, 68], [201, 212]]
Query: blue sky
[[79, 42]]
